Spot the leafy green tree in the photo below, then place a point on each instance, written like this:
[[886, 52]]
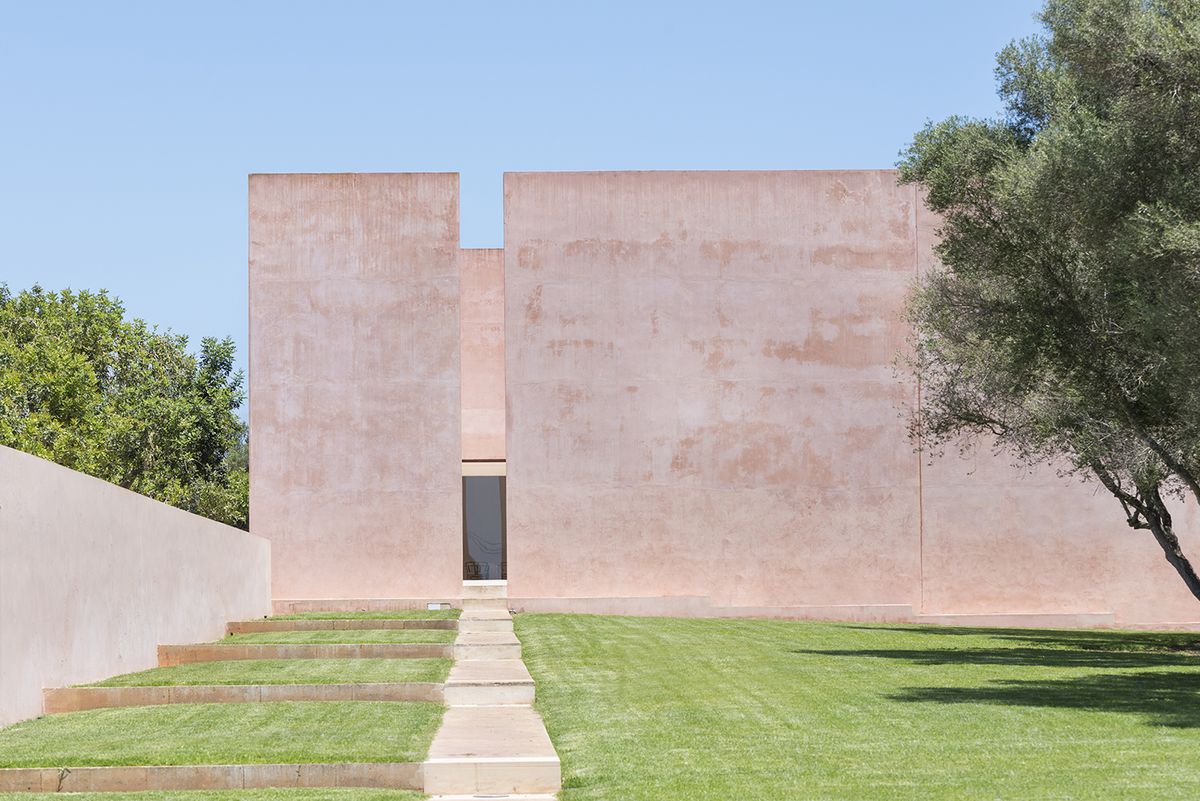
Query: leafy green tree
[[115, 398], [1064, 320]]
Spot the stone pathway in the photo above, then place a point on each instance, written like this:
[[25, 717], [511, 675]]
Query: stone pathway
[[492, 743]]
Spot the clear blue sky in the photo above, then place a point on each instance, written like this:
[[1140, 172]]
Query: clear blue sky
[[128, 129]]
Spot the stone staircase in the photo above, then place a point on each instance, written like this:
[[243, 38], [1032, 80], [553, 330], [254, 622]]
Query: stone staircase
[[491, 742]]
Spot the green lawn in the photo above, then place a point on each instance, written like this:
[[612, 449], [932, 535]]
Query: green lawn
[[287, 671], [653, 708], [317, 794], [206, 734], [341, 636], [400, 614]]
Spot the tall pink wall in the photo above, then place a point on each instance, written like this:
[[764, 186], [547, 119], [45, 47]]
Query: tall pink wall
[[482, 277], [93, 577], [700, 392], [998, 539], [354, 384], [703, 418]]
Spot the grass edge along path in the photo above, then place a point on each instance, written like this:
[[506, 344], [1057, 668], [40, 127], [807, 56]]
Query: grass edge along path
[[395, 614], [285, 732], [285, 671], [338, 636], [270, 794]]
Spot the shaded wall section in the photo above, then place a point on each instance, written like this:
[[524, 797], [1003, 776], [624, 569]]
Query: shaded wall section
[[354, 384], [93, 577], [700, 393], [1005, 540], [482, 346]]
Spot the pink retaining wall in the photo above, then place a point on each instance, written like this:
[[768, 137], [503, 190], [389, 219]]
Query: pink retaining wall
[[354, 384], [93, 577], [482, 347], [703, 418]]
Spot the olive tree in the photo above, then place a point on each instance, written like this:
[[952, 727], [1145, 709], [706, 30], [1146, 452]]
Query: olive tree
[[1063, 322]]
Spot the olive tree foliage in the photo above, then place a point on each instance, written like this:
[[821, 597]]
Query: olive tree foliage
[[1063, 323], [119, 400]]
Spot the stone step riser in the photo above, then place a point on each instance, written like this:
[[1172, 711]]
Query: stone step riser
[[75, 699], [488, 694], [484, 626], [255, 626], [507, 797], [469, 604], [475, 590], [472, 652], [171, 655], [391, 775], [492, 776]]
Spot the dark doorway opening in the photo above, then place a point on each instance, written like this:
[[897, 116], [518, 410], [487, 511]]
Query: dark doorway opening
[[485, 537]]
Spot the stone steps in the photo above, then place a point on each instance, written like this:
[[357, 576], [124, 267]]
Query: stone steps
[[491, 742], [473, 590], [171, 655], [489, 681], [267, 625], [475, 621], [75, 699], [492, 749], [490, 645], [474, 604]]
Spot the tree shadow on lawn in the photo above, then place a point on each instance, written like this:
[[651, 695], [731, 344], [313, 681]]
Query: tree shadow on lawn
[[1084, 639], [1033, 657], [1163, 698]]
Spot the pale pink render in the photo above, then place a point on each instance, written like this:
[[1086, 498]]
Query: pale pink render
[[703, 416], [93, 577], [700, 391], [354, 383], [482, 326]]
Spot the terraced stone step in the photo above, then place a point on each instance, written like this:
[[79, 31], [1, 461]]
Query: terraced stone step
[[487, 645], [489, 682], [362, 624], [388, 775], [76, 699], [474, 621], [492, 750], [169, 655]]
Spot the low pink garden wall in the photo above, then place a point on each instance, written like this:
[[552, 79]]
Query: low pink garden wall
[[93, 577]]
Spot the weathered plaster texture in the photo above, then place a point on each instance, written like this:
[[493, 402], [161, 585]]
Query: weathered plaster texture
[[703, 418], [1003, 540], [93, 577], [700, 392], [354, 383], [482, 345]]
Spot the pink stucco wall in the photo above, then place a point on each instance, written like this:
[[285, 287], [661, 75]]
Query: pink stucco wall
[[354, 383], [700, 391], [701, 413], [482, 277], [94, 577], [703, 418]]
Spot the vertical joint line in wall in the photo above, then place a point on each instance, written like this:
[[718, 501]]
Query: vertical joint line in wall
[[920, 430]]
